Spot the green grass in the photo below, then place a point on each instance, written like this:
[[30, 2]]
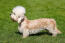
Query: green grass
[[34, 9]]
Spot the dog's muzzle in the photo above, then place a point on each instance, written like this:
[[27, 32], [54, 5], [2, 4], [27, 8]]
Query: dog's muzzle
[[12, 18]]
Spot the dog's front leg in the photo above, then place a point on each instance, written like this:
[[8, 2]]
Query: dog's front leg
[[25, 33]]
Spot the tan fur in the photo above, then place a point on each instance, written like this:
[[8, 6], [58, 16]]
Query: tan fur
[[35, 26]]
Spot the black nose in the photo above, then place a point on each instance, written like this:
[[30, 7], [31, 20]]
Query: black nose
[[10, 14]]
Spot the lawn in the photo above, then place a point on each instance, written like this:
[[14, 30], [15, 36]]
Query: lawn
[[35, 9]]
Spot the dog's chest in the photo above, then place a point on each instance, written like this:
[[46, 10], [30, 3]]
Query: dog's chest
[[21, 27]]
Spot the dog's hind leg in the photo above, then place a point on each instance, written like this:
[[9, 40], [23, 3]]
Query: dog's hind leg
[[58, 31], [53, 30]]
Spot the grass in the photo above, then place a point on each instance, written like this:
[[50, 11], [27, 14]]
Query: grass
[[34, 9]]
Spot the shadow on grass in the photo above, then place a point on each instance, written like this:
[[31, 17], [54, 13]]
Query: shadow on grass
[[41, 33], [37, 34]]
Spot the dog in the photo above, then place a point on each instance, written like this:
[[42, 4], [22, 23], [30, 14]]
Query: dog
[[28, 27]]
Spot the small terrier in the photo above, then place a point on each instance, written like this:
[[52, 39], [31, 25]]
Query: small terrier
[[32, 26]]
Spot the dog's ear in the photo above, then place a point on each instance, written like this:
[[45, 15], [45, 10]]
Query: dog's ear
[[19, 20]]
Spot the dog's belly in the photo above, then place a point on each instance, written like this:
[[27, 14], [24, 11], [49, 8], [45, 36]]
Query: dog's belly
[[31, 31], [34, 31]]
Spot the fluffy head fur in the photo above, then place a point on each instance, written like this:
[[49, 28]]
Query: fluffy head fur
[[19, 10], [18, 13]]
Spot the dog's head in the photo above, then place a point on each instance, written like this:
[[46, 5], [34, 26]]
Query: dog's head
[[18, 13]]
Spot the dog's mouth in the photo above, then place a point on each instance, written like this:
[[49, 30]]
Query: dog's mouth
[[13, 20]]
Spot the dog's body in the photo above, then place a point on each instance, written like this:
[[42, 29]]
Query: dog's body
[[34, 26]]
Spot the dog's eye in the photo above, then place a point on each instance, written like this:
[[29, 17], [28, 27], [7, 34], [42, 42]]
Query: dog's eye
[[18, 16], [14, 13]]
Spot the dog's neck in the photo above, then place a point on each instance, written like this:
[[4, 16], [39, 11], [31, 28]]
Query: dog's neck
[[24, 19]]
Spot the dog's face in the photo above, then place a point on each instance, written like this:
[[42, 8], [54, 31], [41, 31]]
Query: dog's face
[[14, 17], [18, 13]]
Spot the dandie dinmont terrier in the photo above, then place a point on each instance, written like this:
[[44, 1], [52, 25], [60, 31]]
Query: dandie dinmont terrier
[[32, 26]]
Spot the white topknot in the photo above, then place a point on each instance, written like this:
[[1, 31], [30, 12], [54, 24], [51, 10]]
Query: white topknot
[[19, 10]]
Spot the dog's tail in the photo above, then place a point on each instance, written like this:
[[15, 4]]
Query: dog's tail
[[58, 31]]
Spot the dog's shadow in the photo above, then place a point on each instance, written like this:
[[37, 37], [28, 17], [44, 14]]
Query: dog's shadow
[[41, 33], [38, 34]]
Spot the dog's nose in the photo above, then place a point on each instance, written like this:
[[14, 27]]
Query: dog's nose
[[10, 14]]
